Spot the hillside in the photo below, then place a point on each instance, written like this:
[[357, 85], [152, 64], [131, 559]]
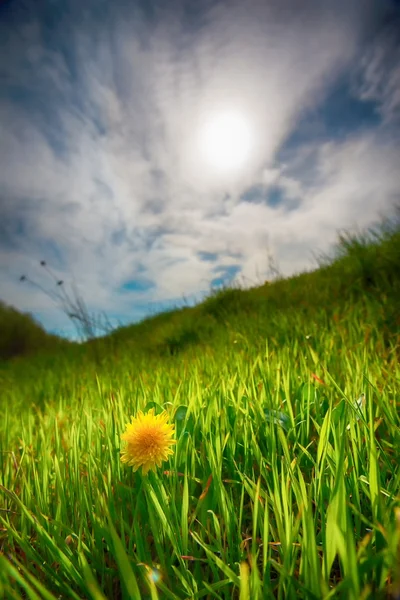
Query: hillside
[[21, 335], [285, 476], [362, 267]]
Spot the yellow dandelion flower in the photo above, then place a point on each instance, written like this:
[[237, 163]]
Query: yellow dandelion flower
[[148, 438]]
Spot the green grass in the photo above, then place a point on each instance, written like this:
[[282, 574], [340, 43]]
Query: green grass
[[279, 486]]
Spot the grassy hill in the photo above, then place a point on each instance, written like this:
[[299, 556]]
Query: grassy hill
[[284, 482], [21, 335]]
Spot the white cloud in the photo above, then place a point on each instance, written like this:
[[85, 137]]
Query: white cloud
[[115, 158], [380, 72]]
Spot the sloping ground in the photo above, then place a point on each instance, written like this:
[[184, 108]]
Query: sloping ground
[[21, 335], [284, 482], [363, 267]]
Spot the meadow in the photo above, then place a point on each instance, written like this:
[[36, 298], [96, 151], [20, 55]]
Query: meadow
[[285, 478]]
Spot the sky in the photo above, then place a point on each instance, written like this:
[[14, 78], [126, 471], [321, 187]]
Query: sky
[[151, 151]]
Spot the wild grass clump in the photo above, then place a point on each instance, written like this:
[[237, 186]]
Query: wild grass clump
[[227, 302], [284, 479]]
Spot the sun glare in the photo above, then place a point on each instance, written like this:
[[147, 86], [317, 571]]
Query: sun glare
[[225, 141]]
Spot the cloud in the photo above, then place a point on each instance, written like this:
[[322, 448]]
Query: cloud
[[225, 277], [379, 73], [101, 171]]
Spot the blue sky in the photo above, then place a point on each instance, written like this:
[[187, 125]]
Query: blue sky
[[100, 109]]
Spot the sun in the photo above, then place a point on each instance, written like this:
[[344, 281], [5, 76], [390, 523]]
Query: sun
[[226, 140]]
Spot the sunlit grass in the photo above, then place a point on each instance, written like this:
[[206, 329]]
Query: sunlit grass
[[281, 484]]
